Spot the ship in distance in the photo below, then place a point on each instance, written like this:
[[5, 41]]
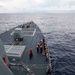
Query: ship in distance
[[24, 51]]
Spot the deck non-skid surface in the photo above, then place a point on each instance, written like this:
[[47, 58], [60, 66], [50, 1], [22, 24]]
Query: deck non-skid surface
[[38, 63]]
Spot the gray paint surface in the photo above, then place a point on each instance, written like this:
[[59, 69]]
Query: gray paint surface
[[4, 70]]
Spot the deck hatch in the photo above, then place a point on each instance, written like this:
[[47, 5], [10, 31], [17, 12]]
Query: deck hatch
[[14, 50]]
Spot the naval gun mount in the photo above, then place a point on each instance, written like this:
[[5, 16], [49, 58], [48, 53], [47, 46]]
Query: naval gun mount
[[19, 33]]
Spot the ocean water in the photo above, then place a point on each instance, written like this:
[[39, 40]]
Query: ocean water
[[59, 31]]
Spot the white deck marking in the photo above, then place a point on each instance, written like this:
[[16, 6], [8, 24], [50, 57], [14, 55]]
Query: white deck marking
[[34, 32]]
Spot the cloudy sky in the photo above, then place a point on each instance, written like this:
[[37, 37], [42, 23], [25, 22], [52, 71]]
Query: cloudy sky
[[37, 6]]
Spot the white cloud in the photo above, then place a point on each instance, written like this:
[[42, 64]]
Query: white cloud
[[36, 5]]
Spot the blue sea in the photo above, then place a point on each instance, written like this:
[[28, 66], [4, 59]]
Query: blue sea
[[59, 31]]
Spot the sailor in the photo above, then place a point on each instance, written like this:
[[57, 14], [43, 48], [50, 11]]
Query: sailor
[[44, 47], [41, 49], [46, 50], [45, 43], [46, 56], [48, 70], [41, 42], [37, 47], [30, 53]]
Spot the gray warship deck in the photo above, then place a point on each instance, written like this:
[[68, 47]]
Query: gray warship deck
[[38, 63]]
